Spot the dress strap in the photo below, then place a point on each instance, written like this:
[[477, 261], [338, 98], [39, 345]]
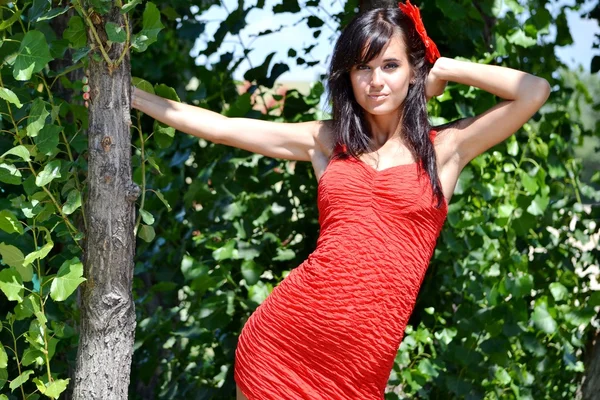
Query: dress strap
[[432, 135]]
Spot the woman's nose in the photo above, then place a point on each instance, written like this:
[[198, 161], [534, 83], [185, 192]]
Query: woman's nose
[[376, 77]]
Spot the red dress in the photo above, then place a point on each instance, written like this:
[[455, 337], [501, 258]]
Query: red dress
[[331, 329]]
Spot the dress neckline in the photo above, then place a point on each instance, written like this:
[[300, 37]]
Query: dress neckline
[[379, 171]]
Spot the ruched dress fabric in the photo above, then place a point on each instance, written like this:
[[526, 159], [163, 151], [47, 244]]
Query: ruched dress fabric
[[331, 329]]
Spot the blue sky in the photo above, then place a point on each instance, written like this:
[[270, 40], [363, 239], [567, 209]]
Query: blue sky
[[298, 37]]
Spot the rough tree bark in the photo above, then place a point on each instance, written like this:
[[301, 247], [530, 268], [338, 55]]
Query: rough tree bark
[[107, 310], [591, 383]]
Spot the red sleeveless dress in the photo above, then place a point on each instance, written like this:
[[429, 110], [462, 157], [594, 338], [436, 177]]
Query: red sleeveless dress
[[331, 329]]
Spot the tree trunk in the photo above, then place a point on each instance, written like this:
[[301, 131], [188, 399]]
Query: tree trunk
[[591, 383], [107, 310]]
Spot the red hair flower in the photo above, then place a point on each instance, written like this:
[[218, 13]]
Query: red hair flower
[[431, 50]]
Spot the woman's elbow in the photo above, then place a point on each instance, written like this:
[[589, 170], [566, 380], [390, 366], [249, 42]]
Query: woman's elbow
[[540, 91]]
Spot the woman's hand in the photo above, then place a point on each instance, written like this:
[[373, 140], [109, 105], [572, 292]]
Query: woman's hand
[[434, 86]]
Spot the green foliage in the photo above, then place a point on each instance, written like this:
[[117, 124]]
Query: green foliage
[[505, 311]]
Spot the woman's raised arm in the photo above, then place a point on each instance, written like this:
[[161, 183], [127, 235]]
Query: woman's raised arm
[[524, 94], [290, 141]]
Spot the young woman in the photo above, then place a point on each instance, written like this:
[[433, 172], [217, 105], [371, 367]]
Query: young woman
[[331, 329]]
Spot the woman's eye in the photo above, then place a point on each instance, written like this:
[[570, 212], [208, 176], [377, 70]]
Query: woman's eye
[[392, 65]]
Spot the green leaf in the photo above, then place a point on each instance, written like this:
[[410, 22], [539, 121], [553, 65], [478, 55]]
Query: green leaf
[[102, 7], [53, 13], [529, 182], [32, 355], [20, 380], [452, 9], [10, 96], [54, 389], [32, 57], [130, 6], [9, 21], [50, 172], [162, 198], [594, 300], [73, 202], [291, 6], [39, 254], [27, 307], [284, 255], [146, 233], [115, 32], [151, 26], [142, 84], [3, 380], [11, 256], [68, 278], [10, 174], [37, 117], [76, 32], [147, 217], [251, 272], [512, 146], [520, 39], [12, 285], [167, 92], [163, 129], [543, 320], [19, 151], [9, 222], [3, 357], [47, 139], [538, 205], [225, 252], [505, 210], [39, 8], [580, 316], [502, 376], [559, 291]]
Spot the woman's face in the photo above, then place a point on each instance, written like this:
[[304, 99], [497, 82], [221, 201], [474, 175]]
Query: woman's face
[[381, 86]]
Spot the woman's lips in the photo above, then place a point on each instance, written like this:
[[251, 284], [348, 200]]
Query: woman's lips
[[378, 97]]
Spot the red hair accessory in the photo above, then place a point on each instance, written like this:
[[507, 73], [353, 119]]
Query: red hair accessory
[[431, 50]]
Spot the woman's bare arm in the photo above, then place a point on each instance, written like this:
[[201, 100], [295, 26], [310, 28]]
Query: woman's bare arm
[[291, 141], [524, 94]]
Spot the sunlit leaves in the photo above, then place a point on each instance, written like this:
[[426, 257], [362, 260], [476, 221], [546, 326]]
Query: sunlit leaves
[[37, 117], [50, 172], [33, 55], [73, 202], [68, 278], [9, 222], [52, 389], [11, 285], [130, 6], [3, 357], [19, 151], [543, 320], [151, 26], [10, 96], [20, 380], [10, 174]]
